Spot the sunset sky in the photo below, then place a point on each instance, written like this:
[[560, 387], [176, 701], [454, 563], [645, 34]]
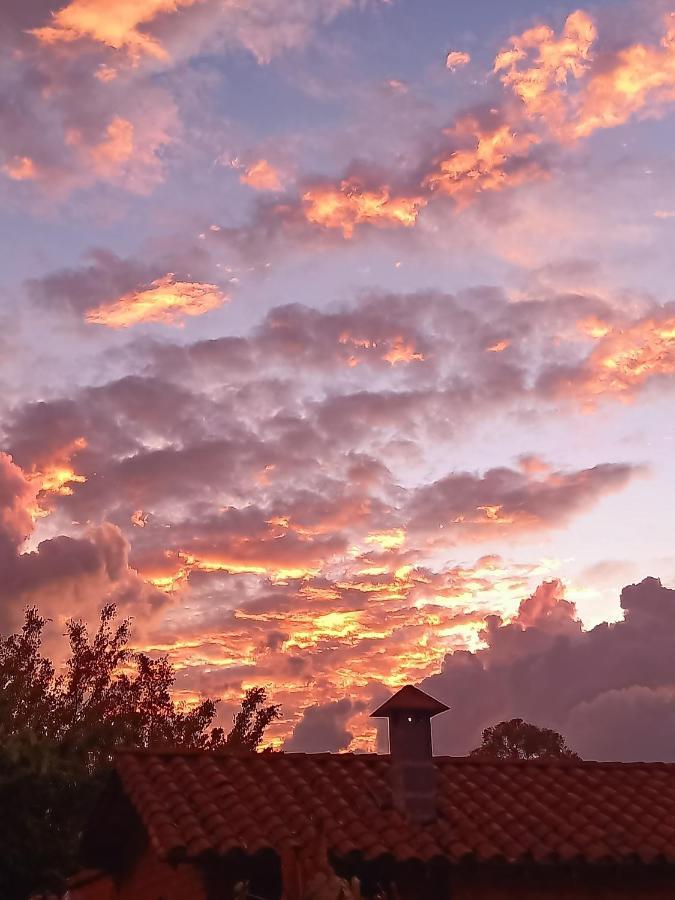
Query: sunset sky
[[338, 349]]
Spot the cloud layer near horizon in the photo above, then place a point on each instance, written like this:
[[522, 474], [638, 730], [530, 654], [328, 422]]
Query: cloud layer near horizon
[[282, 507]]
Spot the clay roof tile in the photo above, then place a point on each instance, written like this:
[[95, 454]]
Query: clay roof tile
[[194, 802]]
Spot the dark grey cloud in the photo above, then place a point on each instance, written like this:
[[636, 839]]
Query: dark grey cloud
[[104, 277], [323, 728], [608, 690], [76, 573], [467, 503]]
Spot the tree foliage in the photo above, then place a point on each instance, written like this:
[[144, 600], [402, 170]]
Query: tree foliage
[[516, 739], [59, 731]]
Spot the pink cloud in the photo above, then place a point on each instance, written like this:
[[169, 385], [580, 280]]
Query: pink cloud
[[165, 301], [457, 59], [262, 176]]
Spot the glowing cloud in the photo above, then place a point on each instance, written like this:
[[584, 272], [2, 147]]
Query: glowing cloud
[[20, 168], [106, 73], [165, 301], [59, 480], [17, 503], [55, 477], [118, 28], [139, 518], [392, 350], [116, 148], [533, 465], [184, 564], [351, 205], [563, 92], [128, 152], [593, 327], [499, 347], [624, 360], [402, 351], [387, 540], [536, 65], [456, 59], [642, 79], [262, 176], [495, 160]]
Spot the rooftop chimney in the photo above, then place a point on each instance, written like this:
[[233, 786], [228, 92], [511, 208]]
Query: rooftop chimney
[[413, 773]]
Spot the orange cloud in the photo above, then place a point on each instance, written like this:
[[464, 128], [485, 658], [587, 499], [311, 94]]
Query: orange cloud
[[642, 79], [499, 347], [495, 159], [533, 465], [536, 65], [411, 620], [488, 159], [387, 540], [593, 327], [624, 360], [401, 351], [165, 301], [117, 25], [105, 73], [139, 518], [564, 92], [560, 85], [262, 176], [393, 350], [128, 152], [55, 477], [495, 514], [351, 205], [116, 148], [180, 565], [19, 503], [456, 59], [20, 168]]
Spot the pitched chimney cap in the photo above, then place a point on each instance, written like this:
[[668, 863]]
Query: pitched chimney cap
[[409, 700]]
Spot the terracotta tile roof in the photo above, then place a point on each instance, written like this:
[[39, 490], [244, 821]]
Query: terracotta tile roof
[[198, 802]]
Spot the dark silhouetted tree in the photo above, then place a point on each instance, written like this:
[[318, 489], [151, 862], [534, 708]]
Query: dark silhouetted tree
[[251, 722], [517, 739], [59, 732]]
